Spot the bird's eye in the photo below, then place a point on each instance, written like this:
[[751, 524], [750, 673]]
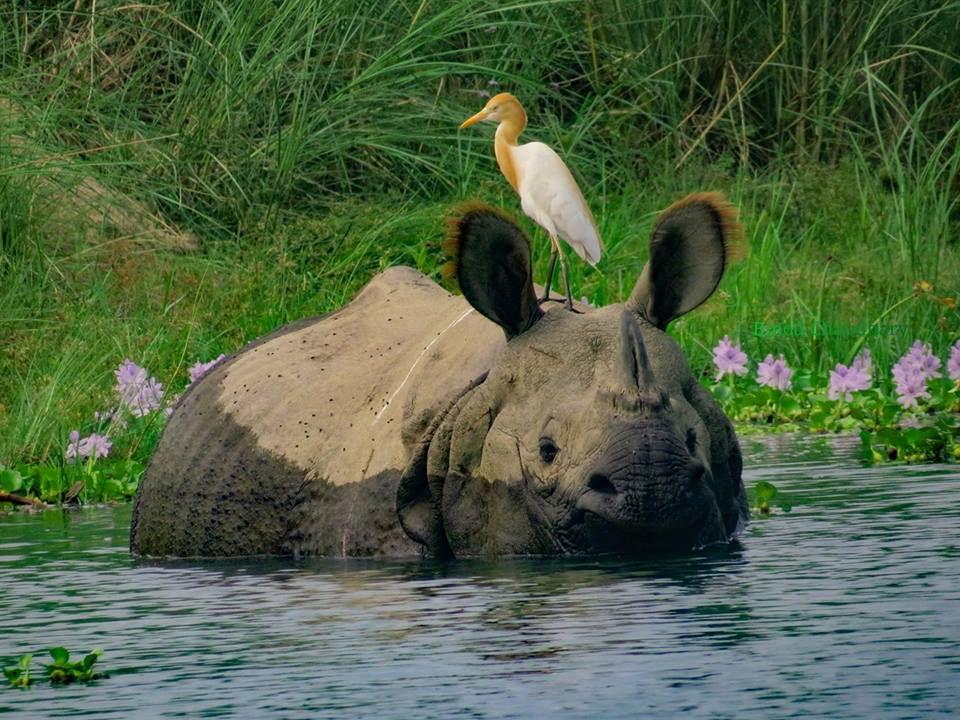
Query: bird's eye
[[548, 450]]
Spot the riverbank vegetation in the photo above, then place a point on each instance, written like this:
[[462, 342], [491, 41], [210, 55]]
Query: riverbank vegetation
[[179, 178]]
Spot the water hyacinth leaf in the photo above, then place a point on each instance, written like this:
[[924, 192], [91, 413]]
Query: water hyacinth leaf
[[889, 413], [19, 674], [913, 436], [91, 658], [60, 655], [764, 492], [867, 452], [790, 405], [722, 393], [51, 483], [10, 480], [888, 436], [111, 488]]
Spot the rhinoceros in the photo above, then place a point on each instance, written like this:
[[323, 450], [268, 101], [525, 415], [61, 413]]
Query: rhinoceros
[[414, 421]]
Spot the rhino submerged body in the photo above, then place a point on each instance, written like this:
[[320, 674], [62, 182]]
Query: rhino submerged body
[[407, 422]]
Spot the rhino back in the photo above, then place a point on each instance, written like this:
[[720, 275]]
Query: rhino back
[[296, 443]]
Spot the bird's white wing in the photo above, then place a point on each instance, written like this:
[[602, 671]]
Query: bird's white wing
[[550, 196]]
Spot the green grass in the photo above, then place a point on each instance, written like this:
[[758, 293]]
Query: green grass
[[308, 145]]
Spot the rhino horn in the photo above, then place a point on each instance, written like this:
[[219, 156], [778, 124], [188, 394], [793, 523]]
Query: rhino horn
[[633, 366]]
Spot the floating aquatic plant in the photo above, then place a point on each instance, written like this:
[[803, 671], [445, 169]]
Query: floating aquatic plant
[[765, 497], [60, 672], [19, 675], [92, 469], [909, 416]]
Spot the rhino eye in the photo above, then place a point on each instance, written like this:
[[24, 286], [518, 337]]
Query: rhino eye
[[548, 450]]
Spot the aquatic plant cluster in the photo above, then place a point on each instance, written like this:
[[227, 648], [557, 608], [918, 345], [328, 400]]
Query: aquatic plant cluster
[[60, 672], [909, 415], [86, 470], [138, 396]]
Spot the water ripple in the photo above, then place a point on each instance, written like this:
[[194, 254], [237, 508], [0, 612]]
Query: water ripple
[[845, 607]]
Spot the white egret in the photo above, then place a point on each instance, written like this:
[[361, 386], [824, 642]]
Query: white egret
[[548, 193]]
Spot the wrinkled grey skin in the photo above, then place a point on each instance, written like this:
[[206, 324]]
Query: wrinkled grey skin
[[556, 433]]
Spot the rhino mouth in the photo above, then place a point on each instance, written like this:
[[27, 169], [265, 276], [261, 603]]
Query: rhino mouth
[[603, 520]]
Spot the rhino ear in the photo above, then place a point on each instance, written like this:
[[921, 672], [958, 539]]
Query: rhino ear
[[693, 241], [491, 262]]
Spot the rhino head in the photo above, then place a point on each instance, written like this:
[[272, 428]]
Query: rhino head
[[589, 433]]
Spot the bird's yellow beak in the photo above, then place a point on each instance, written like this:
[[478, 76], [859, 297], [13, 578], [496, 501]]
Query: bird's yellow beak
[[482, 115]]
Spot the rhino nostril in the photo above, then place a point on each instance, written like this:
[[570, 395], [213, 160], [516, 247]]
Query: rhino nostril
[[601, 483]]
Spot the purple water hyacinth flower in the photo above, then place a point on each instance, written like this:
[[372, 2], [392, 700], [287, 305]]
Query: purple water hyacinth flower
[[911, 372], [930, 366], [139, 393], [493, 83], [94, 445], [73, 447], [729, 358], [775, 373], [909, 421], [149, 398], [129, 374], [202, 368], [847, 380], [863, 362], [483, 93], [911, 385], [953, 363], [921, 356]]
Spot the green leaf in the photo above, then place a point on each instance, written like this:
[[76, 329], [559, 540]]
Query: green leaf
[[764, 492], [112, 489], [12, 673], [889, 437], [91, 658], [10, 480], [912, 436], [60, 655], [50, 483], [722, 393], [24, 661], [789, 405]]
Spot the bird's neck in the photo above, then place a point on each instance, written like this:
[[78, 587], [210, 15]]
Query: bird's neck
[[505, 141]]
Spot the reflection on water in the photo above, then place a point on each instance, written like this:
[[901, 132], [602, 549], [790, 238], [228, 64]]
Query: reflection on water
[[846, 607]]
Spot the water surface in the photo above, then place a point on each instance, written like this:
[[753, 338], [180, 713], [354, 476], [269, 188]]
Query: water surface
[[849, 606]]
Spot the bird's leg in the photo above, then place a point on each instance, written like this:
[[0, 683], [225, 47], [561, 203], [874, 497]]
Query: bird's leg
[[566, 274], [550, 269]]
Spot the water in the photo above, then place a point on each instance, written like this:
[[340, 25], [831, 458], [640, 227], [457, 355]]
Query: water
[[847, 607]]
